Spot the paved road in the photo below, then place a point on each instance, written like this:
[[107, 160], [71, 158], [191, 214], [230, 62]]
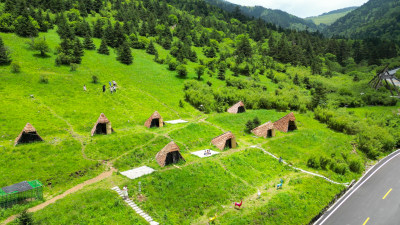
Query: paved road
[[374, 199], [395, 81]]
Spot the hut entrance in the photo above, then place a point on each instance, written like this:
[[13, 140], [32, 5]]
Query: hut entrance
[[292, 126], [241, 109], [29, 137], [228, 143], [172, 157], [269, 133], [101, 128], [155, 123]]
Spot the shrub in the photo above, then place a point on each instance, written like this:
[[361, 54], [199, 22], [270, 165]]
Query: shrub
[[95, 79], [324, 162], [43, 80], [172, 65], [182, 71], [15, 67], [341, 168], [73, 66], [25, 218], [312, 162], [249, 126], [356, 166]]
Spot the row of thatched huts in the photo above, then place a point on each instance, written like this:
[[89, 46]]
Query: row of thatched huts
[[170, 153]]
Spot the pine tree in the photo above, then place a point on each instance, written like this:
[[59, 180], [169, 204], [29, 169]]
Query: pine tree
[[103, 49], [151, 49], [88, 43], [78, 52], [125, 54], [4, 55], [119, 37], [98, 29], [26, 26]]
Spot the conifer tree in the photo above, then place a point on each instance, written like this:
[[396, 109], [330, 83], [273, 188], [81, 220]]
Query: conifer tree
[[103, 49], [98, 29], [4, 55], [26, 26], [125, 54], [151, 49], [77, 52], [88, 43]]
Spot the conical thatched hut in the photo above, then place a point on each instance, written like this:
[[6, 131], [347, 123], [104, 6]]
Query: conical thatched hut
[[286, 123], [102, 126], [169, 154], [226, 140], [27, 135], [237, 108], [265, 130], [155, 120]]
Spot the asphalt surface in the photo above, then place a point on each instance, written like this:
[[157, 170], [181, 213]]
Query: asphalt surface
[[363, 204]]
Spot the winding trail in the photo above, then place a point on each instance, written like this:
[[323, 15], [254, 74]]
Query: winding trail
[[76, 188]]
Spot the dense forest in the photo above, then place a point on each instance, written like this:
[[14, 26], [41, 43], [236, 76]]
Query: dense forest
[[375, 19]]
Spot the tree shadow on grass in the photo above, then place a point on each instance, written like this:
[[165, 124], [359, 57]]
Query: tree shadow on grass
[[38, 55]]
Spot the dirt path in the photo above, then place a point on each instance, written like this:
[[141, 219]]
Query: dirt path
[[78, 187]]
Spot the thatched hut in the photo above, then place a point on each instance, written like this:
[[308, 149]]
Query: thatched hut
[[286, 123], [27, 135], [237, 108], [265, 130], [155, 120], [226, 140], [169, 154], [102, 126]]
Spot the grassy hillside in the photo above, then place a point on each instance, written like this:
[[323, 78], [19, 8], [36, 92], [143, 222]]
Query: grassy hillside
[[330, 17]]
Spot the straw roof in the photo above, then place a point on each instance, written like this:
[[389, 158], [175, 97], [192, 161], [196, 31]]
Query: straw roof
[[162, 155], [155, 115], [220, 141], [283, 123], [262, 130], [235, 107], [101, 120], [28, 129]]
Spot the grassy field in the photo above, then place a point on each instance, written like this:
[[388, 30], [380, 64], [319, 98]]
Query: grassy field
[[198, 188]]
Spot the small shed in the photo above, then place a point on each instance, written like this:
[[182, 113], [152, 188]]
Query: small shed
[[102, 126], [23, 191], [27, 135], [286, 123], [155, 120], [265, 130], [169, 154], [237, 108], [226, 140]]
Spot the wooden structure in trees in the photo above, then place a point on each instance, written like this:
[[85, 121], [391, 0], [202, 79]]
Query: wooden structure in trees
[[27, 135], [383, 78], [226, 140]]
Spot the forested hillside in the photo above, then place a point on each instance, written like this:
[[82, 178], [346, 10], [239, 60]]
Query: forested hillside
[[330, 17], [276, 17], [374, 19]]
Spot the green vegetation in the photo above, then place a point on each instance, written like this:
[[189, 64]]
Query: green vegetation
[[331, 17], [187, 60], [92, 206]]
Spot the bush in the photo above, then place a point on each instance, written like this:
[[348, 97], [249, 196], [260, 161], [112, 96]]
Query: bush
[[340, 168], [25, 218], [15, 67], [73, 66], [312, 162], [356, 166], [172, 65], [43, 80], [95, 79], [324, 162], [182, 71]]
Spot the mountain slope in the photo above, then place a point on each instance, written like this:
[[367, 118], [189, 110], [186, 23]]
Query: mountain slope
[[375, 19], [330, 17], [277, 17]]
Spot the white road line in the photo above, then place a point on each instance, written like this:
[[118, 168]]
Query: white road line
[[356, 189]]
